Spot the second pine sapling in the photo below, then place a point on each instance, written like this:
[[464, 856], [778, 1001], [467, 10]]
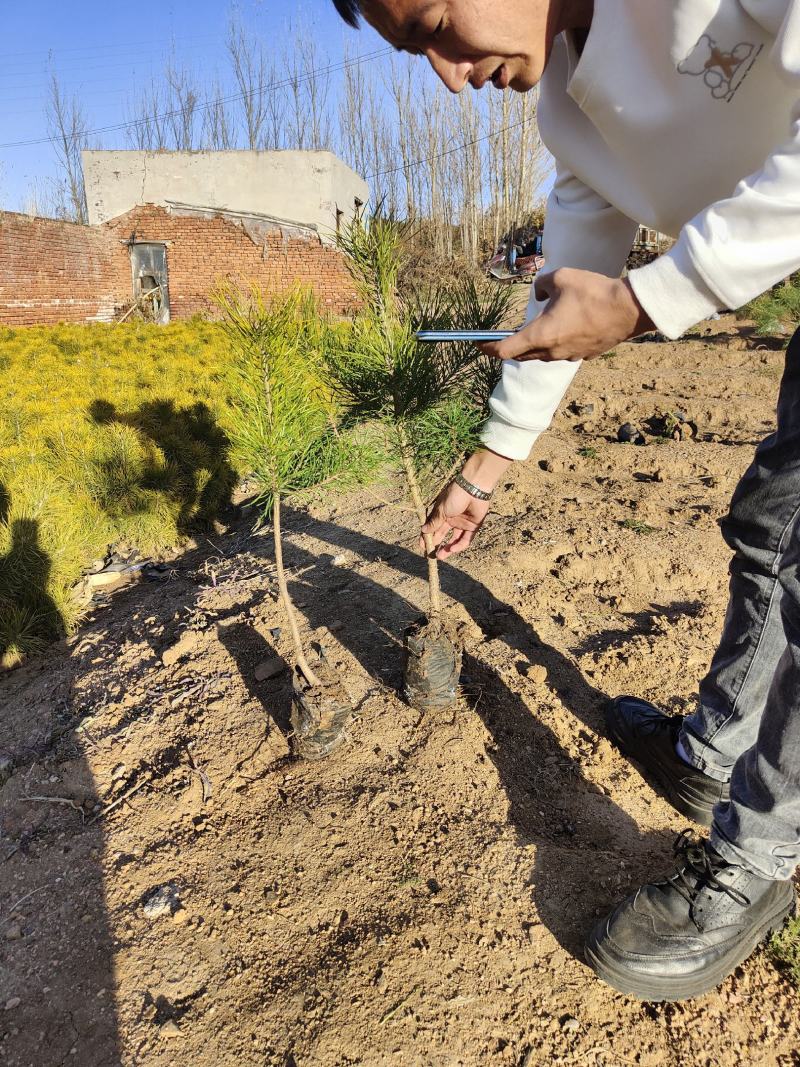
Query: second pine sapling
[[284, 434]]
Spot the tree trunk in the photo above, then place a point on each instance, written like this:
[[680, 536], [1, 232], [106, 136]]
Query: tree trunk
[[434, 588], [294, 629]]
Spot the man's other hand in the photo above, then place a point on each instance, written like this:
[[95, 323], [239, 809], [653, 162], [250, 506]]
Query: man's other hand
[[454, 519], [456, 516], [586, 315]]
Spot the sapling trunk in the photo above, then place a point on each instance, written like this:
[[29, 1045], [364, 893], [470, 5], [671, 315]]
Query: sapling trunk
[[434, 587], [294, 629]]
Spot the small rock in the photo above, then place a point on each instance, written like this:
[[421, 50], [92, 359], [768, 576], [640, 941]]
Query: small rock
[[13, 1003], [180, 916], [270, 896], [186, 644], [628, 433], [118, 772], [537, 673], [162, 901], [339, 560], [170, 1029], [269, 668], [570, 1024], [14, 932], [335, 626]]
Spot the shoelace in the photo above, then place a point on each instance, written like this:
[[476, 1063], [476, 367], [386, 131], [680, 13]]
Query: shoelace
[[694, 856], [649, 723]]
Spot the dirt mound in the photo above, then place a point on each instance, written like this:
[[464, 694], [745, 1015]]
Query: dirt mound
[[175, 889]]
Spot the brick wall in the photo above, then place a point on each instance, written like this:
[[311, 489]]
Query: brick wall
[[54, 271], [58, 272]]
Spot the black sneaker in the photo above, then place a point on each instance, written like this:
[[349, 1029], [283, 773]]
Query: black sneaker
[[683, 936], [648, 736]]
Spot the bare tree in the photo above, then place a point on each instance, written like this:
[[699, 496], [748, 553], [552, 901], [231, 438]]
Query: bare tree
[[253, 77], [68, 131], [218, 129], [182, 109], [147, 129]]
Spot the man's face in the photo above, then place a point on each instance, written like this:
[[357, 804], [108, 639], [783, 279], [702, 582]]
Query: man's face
[[505, 42]]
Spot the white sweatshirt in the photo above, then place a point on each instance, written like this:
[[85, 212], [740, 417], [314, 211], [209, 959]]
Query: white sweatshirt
[[683, 115]]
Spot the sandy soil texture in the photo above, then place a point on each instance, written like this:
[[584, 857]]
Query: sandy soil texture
[[175, 890]]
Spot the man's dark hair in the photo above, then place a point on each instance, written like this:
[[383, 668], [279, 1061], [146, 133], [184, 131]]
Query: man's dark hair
[[349, 10]]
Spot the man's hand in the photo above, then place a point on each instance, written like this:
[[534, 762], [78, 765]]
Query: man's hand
[[455, 516], [586, 315]]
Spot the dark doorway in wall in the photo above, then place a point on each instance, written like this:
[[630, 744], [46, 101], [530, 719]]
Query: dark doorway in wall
[[150, 282]]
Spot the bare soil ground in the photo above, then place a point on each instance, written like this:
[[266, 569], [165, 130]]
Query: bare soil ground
[[421, 897]]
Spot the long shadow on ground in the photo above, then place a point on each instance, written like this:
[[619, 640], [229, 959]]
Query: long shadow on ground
[[56, 974], [583, 840]]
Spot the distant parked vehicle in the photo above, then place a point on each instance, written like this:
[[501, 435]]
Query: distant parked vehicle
[[518, 257]]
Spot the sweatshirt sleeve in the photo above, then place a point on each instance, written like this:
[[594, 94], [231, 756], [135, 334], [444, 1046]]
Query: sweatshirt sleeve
[[582, 231], [739, 247]]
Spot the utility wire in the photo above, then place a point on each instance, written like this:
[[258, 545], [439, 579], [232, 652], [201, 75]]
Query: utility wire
[[270, 87], [105, 48], [449, 152]]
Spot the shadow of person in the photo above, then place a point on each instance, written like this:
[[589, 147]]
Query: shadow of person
[[29, 617], [199, 475], [57, 974], [583, 841]]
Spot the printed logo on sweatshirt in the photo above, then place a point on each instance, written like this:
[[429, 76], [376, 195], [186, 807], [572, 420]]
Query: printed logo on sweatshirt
[[722, 71]]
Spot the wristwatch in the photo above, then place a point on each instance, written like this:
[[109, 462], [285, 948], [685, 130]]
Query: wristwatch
[[468, 487]]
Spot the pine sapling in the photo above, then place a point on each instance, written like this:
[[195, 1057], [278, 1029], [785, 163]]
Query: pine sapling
[[283, 432], [429, 402]]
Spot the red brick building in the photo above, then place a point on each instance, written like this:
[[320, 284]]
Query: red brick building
[[52, 271]]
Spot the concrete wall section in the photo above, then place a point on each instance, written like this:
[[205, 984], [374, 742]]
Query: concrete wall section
[[304, 189], [53, 271]]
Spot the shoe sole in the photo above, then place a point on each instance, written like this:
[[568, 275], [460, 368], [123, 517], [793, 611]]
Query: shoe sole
[[696, 808], [660, 989]]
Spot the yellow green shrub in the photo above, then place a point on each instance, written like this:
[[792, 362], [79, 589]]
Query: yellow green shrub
[[107, 434]]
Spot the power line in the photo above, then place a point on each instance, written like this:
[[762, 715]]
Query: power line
[[450, 152], [124, 60], [270, 87], [104, 48]]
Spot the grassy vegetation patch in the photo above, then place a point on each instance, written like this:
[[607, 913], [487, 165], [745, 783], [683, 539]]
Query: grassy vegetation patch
[[638, 526], [108, 434], [776, 312], [784, 947]]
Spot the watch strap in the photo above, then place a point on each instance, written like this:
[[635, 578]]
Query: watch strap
[[468, 487]]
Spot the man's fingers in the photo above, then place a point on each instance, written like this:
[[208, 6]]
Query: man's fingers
[[524, 343], [437, 528], [461, 540]]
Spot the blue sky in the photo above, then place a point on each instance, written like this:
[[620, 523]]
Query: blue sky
[[101, 50]]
